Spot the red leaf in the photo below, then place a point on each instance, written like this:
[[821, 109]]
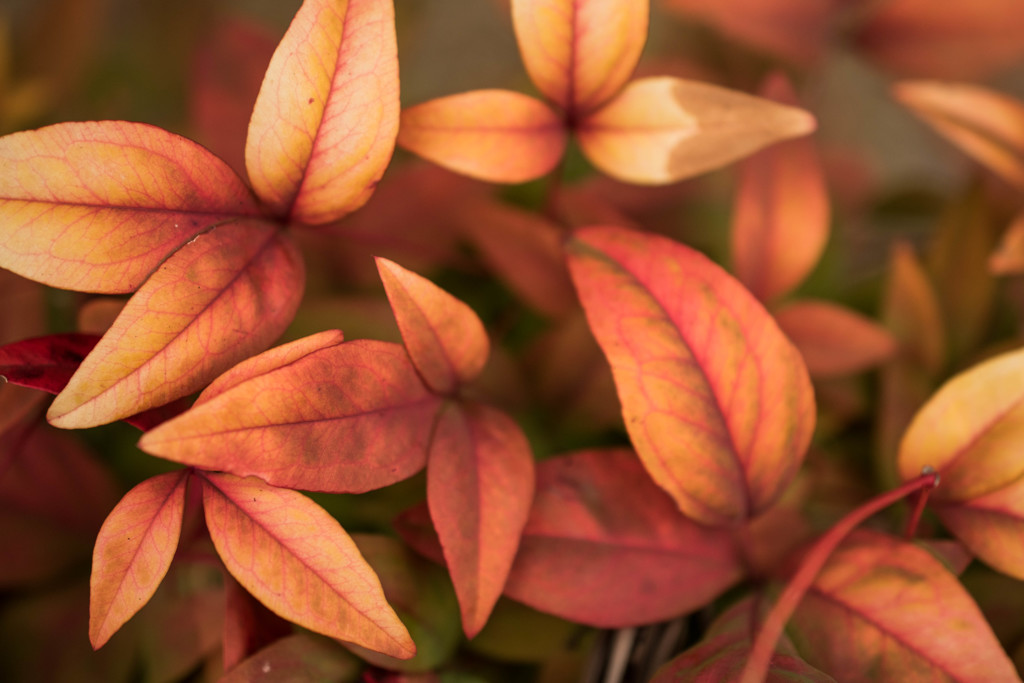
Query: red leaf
[[133, 552], [45, 363], [298, 561], [480, 480], [444, 337], [717, 401], [833, 340], [324, 125], [315, 414], [225, 295], [98, 206]]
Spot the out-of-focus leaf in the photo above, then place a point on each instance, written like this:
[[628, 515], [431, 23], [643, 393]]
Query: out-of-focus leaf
[[133, 552], [324, 124], [661, 129], [98, 314], [796, 30], [444, 337], [780, 220], [960, 39], [298, 561], [224, 296], [316, 414], [480, 481], [987, 125], [422, 596], [495, 135], [606, 547], [885, 609], [716, 400], [248, 625], [971, 432], [725, 648], [833, 340], [299, 658], [98, 206], [1008, 258], [517, 633], [580, 53]]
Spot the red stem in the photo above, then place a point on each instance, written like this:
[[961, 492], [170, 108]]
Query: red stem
[[764, 646]]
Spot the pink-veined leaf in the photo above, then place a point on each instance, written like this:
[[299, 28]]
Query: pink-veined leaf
[[971, 432], [324, 124], [316, 414], [987, 125], [495, 135], [444, 337], [833, 340], [224, 296], [133, 552], [716, 400], [298, 561], [300, 658], [98, 206], [780, 218], [480, 481], [885, 609], [579, 53], [723, 652], [661, 129]]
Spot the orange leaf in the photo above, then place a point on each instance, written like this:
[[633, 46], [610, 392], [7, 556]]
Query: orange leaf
[[912, 312], [833, 340], [987, 125], [494, 135], [324, 125], [444, 337], [885, 609], [659, 130], [225, 295], [971, 432], [716, 400], [780, 221], [97, 206], [316, 414], [133, 552], [606, 547], [957, 39], [480, 482], [579, 53], [1008, 258], [298, 561]]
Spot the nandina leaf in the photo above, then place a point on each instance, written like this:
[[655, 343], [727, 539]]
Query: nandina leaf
[[987, 125], [134, 551], [659, 130], [959, 39], [971, 432], [480, 481], [444, 337], [225, 295], [1008, 258], [298, 561], [524, 249], [912, 311], [98, 206], [248, 625], [833, 340], [780, 220], [301, 658], [717, 401], [723, 652], [606, 547], [324, 125], [316, 414], [494, 135], [45, 363], [579, 53], [885, 609]]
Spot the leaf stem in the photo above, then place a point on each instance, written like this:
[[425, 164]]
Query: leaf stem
[[920, 500], [757, 665]]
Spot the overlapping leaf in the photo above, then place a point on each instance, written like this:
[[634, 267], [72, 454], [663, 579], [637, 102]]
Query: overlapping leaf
[[971, 432], [133, 552], [885, 609], [316, 414], [833, 340], [296, 559], [717, 401], [302, 657], [324, 125]]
